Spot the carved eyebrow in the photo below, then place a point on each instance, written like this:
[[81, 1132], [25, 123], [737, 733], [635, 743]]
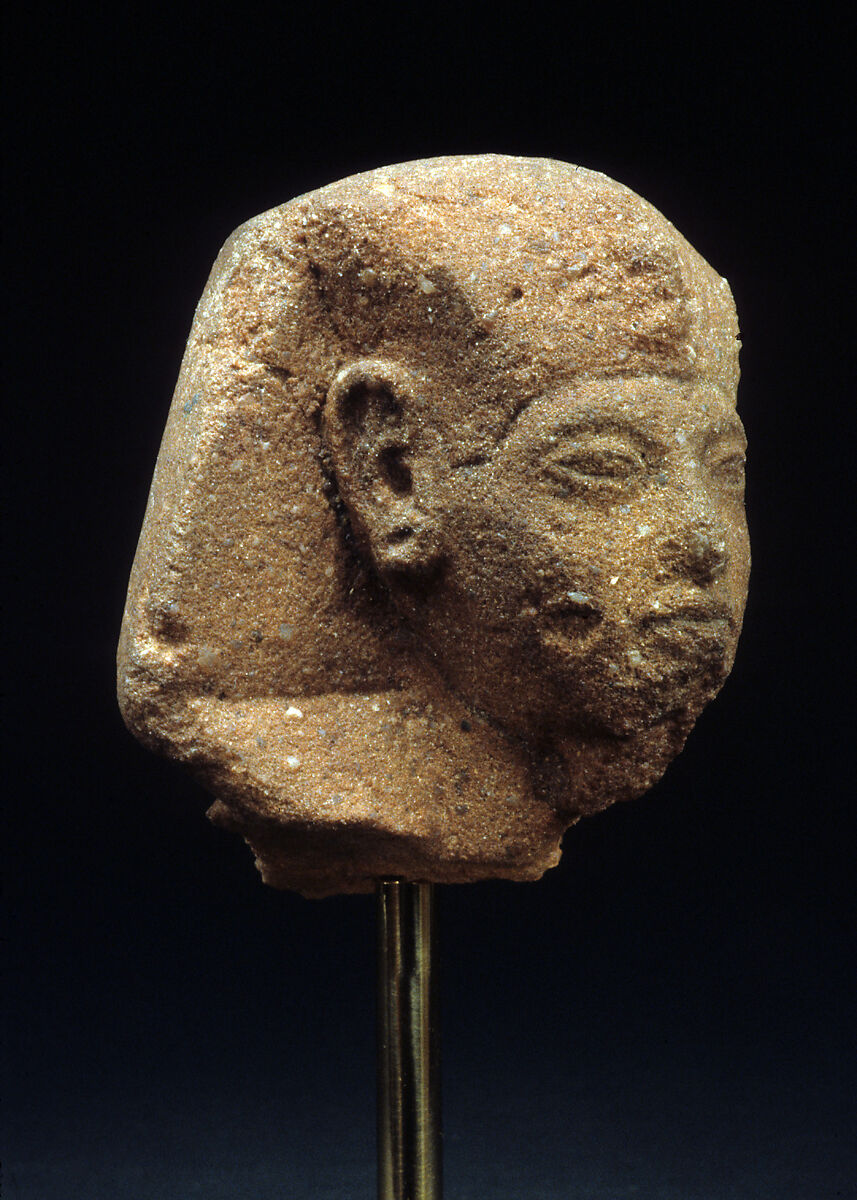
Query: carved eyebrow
[[726, 427], [603, 423]]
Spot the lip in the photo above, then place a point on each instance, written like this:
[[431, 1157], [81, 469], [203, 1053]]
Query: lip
[[578, 607], [691, 633], [691, 614]]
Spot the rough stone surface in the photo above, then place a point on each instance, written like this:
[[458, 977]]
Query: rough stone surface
[[445, 546]]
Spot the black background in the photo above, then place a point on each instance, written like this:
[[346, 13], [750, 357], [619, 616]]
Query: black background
[[670, 1013]]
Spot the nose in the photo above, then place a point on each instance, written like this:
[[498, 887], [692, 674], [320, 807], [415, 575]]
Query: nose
[[698, 552]]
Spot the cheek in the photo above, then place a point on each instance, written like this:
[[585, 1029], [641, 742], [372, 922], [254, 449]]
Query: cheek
[[492, 568], [582, 545], [549, 557], [733, 521], [741, 541], [516, 556]]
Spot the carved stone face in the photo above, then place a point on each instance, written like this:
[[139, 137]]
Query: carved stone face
[[595, 568], [446, 543], [591, 574]]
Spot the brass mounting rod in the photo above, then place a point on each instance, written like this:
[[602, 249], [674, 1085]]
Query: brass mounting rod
[[409, 1145]]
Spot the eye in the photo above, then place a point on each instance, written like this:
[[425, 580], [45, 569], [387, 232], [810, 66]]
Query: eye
[[594, 464], [730, 470]]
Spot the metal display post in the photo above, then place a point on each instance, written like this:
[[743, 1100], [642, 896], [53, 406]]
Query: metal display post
[[409, 1127]]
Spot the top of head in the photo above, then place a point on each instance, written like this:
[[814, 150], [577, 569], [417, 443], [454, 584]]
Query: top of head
[[508, 271]]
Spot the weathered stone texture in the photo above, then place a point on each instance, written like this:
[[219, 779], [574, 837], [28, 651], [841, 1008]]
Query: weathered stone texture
[[446, 545]]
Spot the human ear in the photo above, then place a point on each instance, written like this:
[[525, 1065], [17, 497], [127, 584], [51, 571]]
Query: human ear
[[378, 458]]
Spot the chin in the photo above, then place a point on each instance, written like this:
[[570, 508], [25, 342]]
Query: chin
[[637, 710], [630, 705]]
